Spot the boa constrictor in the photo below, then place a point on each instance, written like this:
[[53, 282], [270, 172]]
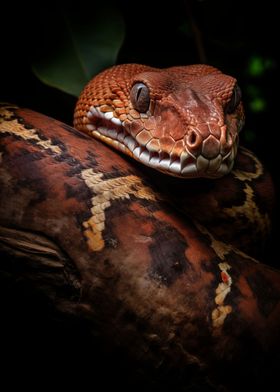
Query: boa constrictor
[[176, 291], [184, 121]]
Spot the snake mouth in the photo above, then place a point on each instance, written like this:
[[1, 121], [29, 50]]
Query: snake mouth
[[111, 130]]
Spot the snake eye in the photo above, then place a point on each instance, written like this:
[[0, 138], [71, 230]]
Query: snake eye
[[140, 97], [235, 99]]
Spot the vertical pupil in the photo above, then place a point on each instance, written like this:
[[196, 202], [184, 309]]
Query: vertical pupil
[[138, 92]]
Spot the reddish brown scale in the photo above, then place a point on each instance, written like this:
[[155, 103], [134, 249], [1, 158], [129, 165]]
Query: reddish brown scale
[[225, 277]]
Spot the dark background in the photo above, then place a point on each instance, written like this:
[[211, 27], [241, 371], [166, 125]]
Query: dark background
[[240, 38]]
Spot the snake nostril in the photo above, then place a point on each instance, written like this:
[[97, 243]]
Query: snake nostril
[[192, 139]]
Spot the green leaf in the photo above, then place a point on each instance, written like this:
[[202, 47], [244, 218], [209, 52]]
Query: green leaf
[[78, 45], [257, 105], [258, 65]]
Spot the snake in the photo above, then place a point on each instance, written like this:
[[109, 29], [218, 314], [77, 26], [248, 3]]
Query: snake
[[110, 248], [183, 121]]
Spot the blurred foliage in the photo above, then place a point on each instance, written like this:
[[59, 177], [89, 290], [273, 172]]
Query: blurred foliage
[[258, 65], [85, 45]]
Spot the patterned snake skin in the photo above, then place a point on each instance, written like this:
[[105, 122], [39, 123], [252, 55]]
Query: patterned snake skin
[[99, 235], [183, 121]]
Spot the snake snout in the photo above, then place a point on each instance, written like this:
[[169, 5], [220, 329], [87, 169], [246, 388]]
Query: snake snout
[[208, 140], [213, 149]]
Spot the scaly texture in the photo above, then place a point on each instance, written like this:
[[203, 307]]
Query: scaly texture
[[171, 296], [183, 121]]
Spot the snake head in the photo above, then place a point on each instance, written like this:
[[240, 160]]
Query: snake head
[[183, 121]]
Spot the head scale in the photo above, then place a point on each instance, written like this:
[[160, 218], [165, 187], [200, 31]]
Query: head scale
[[183, 121]]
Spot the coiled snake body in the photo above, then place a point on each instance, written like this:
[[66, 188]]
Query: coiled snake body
[[183, 121], [183, 287]]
